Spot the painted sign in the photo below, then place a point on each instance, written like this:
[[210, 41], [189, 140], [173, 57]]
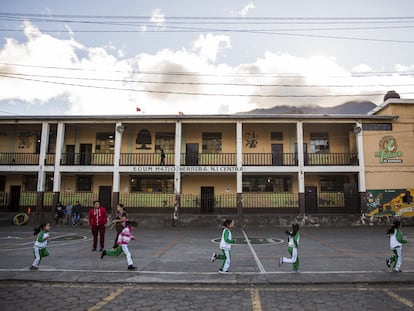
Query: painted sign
[[388, 152]]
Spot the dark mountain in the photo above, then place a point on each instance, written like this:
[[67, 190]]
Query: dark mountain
[[352, 107]]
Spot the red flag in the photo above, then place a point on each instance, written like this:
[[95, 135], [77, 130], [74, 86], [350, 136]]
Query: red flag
[[138, 109]]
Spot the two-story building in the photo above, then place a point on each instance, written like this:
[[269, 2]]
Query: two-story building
[[296, 164]]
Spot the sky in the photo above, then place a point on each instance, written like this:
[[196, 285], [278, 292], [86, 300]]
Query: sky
[[129, 57]]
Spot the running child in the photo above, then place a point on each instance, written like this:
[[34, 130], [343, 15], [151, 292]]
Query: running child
[[39, 248], [293, 244], [225, 246], [124, 237], [396, 242]]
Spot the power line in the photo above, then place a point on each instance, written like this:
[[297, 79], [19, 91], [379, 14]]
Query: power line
[[200, 74], [260, 85], [200, 93]]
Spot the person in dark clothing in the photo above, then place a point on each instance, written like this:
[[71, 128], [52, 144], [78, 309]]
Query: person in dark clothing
[[121, 218]]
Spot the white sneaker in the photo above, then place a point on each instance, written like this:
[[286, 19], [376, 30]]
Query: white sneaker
[[213, 257], [223, 271]]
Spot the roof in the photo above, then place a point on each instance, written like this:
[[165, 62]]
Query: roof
[[221, 117], [389, 102]]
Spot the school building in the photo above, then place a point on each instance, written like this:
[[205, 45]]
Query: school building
[[210, 164]]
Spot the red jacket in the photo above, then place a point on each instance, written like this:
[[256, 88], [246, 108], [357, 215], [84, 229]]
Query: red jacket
[[98, 216]]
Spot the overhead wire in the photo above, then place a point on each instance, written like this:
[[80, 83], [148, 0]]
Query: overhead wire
[[205, 83], [199, 93]]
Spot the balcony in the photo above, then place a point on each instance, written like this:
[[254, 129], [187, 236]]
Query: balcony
[[83, 159], [187, 159], [17, 158]]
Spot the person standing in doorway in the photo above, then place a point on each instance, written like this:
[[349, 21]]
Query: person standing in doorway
[[98, 218]]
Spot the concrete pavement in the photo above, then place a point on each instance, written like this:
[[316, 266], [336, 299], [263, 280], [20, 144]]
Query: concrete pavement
[[182, 255]]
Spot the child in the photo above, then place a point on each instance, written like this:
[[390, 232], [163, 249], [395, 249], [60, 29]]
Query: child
[[225, 246], [123, 239], [39, 248], [396, 242], [293, 244]]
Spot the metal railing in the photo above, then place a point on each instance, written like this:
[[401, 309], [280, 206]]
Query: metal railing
[[187, 159], [324, 159], [208, 159], [145, 159], [270, 200], [19, 158], [83, 159], [269, 159], [281, 201]]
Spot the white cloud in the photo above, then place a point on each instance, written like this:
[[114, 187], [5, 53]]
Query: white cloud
[[244, 11], [158, 17], [210, 45], [116, 84]]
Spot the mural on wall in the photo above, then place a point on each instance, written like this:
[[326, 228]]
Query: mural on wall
[[143, 139], [251, 140], [390, 202]]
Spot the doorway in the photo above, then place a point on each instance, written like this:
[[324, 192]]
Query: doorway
[[105, 197], [14, 198], [191, 154], [351, 198], [277, 154], [207, 200], [85, 154], [70, 154], [311, 199]]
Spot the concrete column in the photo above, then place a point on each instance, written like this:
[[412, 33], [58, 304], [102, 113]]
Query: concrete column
[[60, 140], [239, 163], [177, 173], [41, 175], [361, 168], [177, 158], [301, 164], [116, 182]]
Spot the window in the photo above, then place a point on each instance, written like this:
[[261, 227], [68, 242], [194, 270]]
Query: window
[[83, 183], [333, 183], [267, 184], [319, 143], [105, 143], [164, 141], [377, 126], [276, 136], [30, 183], [211, 142], [151, 184]]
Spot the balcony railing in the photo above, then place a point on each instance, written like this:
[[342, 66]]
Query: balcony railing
[[313, 159], [208, 159], [269, 159], [187, 159], [103, 159], [18, 158], [145, 159]]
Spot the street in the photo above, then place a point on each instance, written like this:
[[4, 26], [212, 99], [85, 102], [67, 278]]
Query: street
[[18, 295]]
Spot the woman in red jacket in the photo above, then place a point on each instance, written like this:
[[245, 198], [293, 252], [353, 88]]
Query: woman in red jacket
[[98, 217]]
